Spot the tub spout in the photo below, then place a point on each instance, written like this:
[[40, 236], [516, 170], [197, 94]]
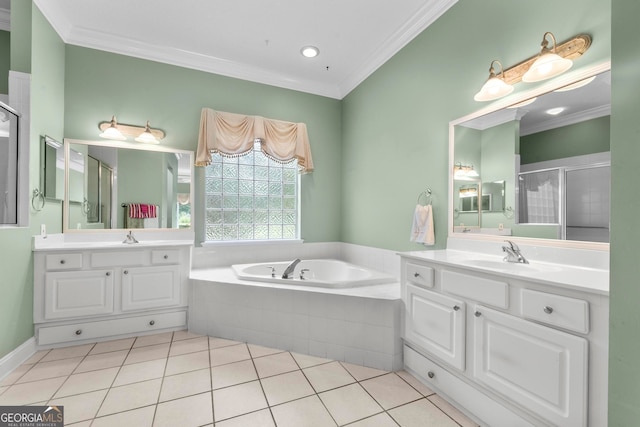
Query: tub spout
[[289, 270]]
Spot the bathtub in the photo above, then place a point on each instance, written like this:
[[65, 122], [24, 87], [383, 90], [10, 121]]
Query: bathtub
[[326, 273]]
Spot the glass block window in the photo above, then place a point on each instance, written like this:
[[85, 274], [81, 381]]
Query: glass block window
[[251, 197]]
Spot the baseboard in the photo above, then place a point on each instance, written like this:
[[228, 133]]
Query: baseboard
[[17, 357]]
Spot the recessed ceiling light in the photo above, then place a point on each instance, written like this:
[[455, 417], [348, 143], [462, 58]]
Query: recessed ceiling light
[[310, 51], [555, 111]]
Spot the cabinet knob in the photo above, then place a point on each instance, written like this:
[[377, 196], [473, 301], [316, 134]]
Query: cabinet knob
[[456, 308], [126, 272], [153, 322], [416, 274], [108, 273], [477, 314], [62, 261], [431, 374], [548, 309], [79, 332], [166, 257]]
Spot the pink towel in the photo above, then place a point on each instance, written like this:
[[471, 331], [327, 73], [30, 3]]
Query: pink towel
[[142, 210]]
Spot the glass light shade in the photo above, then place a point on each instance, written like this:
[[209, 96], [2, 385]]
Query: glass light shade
[[147, 137], [472, 173], [112, 132], [494, 88], [546, 66]]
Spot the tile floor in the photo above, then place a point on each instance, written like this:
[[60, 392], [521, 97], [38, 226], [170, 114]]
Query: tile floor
[[179, 379]]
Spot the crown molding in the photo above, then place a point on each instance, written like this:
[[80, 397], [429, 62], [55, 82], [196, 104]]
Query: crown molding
[[569, 119], [107, 42], [423, 17], [5, 19]]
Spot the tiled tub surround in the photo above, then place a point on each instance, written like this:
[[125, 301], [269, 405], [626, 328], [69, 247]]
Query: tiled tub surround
[[181, 379], [356, 325]]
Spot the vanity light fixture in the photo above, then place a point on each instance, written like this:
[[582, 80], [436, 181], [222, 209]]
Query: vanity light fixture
[[548, 63], [576, 85], [464, 172], [310, 51], [120, 131], [495, 86]]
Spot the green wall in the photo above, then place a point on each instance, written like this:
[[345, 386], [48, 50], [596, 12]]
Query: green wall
[[395, 124], [45, 60], [624, 345], [99, 84], [5, 60], [579, 139]]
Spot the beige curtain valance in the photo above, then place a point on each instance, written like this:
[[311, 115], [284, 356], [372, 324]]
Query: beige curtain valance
[[234, 134]]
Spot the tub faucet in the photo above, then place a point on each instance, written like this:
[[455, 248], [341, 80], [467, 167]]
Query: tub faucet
[[130, 239], [513, 253], [289, 270]]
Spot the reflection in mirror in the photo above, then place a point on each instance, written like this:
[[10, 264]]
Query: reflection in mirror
[[548, 158], [119, 185], [51, 168]]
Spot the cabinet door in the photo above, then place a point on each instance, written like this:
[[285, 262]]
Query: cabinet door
[[435, 323], [150, 287], [542, 369], [78, 293]]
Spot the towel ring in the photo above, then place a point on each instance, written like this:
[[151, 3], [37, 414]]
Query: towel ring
[[38, 196], [427, 196]]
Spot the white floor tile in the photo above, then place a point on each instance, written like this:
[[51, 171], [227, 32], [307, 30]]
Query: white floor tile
[[154, 339], [192, 411], [192, 345], [362, 373], [67, 352], [187, 362], [307, 412], [286, 387], [421, 413], [350, 403], [261, 418], [37, 356], [141, 417], [16, 374], [238, 400], [32, 392], [115, 345], [328, 376], [44, 370], [259, 351], [275, 364], [185, 335], [306, 361], [131, 396], [80, 407], [229, 354], [146, 353], [187, 384], [221, 342], [390, 390], [380, 420], [452, 411], [94, 362], [233, 374], [87, 381], [138, 372], [415, 383]]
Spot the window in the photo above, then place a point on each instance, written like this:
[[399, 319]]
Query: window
[[251, 197]]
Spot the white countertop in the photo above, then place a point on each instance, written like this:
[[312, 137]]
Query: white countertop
[[567, 276], [62, 242]]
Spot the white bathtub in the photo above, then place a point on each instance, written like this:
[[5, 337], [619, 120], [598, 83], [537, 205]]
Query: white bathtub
[[327, 273]]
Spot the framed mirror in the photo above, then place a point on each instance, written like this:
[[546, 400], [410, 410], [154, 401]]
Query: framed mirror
[[51, 168], [120, 185], [542, 162]]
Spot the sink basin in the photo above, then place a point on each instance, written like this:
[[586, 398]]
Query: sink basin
[[509, 266]]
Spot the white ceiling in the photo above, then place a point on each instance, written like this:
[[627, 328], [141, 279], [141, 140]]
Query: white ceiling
[[255, 40]]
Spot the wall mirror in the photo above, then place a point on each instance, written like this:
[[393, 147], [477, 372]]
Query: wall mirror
[[51, 168], [120, 185], [541, 163]]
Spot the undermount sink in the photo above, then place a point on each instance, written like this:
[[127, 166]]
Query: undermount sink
[[509, 266]]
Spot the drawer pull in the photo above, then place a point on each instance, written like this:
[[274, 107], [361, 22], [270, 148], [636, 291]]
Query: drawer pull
[[62, 261], [108, 273], [416, 274], [456, 308], [431, 374], [477, 314], [79, 332], [126, 272], [166, 257], [153, 322], [548, 309]]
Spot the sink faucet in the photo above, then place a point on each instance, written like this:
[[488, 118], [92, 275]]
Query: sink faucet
[[513, 253], [289, 270], [130, 239]]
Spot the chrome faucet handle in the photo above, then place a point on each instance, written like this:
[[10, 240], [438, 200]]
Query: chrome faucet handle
[[304, 270], [513, 246], [273, 270]]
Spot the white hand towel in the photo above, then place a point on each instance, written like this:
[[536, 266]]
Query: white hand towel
[[422, 228]]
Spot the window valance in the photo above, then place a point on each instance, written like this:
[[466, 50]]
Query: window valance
[[234, 135]]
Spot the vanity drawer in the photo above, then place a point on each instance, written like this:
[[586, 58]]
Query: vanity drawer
[[556, 310], [165, 256], [119, 259], [488, 291], [63, 261], [418, 274]]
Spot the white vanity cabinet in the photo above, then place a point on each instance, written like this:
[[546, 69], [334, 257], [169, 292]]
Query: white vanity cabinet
[[512, 351], [118, 290]]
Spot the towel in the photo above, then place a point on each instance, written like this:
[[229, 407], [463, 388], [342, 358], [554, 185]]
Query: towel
[[422, 228], [142, 210]]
